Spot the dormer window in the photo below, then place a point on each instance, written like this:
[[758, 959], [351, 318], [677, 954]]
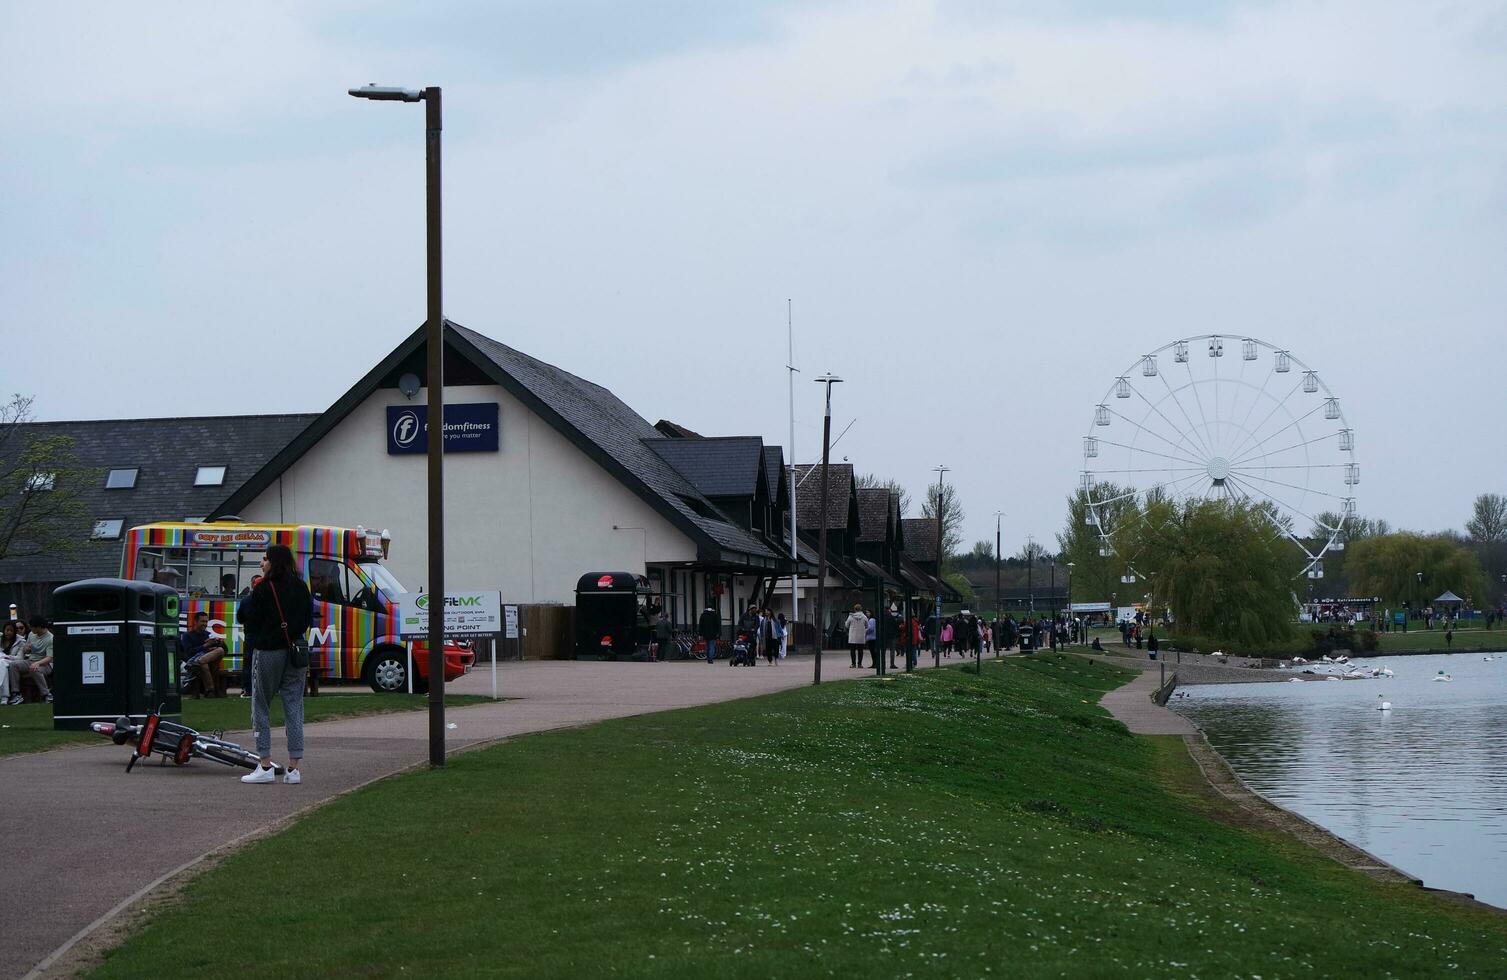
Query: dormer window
[[121, 479]]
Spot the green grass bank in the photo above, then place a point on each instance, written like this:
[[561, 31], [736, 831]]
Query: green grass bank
[[28, 727], [942, 824]]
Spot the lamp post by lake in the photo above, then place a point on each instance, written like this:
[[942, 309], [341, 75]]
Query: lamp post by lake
[[997, 515], [936, 628], [435, 339], [1071, 619], [829, 380]]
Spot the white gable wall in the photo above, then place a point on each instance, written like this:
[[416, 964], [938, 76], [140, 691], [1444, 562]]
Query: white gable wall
[[529, 519]]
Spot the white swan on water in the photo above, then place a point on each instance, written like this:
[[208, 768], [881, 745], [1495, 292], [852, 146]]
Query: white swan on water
[[1384, 706]]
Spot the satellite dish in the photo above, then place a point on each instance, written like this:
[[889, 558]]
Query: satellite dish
[[408, 384]]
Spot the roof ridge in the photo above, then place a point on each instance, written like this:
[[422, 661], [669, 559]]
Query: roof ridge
[[174, 418]]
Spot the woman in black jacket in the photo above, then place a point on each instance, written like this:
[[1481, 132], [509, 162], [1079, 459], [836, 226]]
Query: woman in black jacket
[[278, 611]]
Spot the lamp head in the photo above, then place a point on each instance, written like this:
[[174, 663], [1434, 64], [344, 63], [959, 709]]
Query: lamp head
[[387, 93]]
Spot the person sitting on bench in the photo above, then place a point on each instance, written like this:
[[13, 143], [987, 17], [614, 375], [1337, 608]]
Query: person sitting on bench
[[201, 653], [35, 662]]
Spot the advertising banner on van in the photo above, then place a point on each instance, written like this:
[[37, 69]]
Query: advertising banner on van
[[466, 613], [469, 428]]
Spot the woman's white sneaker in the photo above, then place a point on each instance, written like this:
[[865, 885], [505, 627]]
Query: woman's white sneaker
[[292, 776], [261, 774]]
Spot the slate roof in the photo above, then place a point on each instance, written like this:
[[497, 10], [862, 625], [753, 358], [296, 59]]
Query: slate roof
[[873, 515], [590, 416], [774, 470], [675, 431], [726, 466], [808, 495], [167, 454], [920, 538]]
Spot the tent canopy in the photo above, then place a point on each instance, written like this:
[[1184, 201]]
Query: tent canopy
[[1449, 597]]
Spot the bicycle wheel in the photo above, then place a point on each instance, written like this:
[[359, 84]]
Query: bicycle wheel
[[228, 754]]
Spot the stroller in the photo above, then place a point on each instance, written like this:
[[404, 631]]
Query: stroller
[[743, 652]]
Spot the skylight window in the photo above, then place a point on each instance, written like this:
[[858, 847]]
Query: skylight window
[[210, 476], [41, 481], [122, 479], [107, 530]]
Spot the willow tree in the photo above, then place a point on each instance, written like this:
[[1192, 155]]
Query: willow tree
[[1387, 566], [1225, 569], [1095, 576]]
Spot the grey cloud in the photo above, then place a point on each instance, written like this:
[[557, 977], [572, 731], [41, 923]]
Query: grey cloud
[[1031, 155], [554, 38], [1198, 13]]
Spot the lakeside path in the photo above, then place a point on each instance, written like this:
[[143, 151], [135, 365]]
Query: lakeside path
[[104, 837]]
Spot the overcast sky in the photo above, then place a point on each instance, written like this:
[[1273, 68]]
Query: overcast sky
[[983, 212]]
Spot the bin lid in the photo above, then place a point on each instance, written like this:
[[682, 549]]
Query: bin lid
[[607, 583]]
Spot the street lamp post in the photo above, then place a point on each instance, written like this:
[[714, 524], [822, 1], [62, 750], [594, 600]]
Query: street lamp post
[[1072, 620], [997, 515], [829, 380], [936, 625], [436, 409], [1054, 602], [1030, 572]]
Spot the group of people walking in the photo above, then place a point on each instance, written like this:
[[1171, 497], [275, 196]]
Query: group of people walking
[[761, 634]]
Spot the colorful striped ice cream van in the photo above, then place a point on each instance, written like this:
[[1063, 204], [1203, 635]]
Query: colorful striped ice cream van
[[355, 631]]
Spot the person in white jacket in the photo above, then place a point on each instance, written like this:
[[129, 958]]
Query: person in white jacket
[[858, 630]]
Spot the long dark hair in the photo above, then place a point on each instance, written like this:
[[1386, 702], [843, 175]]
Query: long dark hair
[[280, 562]]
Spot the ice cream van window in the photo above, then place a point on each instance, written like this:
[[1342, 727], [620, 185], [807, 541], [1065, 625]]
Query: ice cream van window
[[198, 571], [385, 580]]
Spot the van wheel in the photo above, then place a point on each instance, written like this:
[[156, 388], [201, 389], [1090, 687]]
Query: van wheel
[[387, 671]]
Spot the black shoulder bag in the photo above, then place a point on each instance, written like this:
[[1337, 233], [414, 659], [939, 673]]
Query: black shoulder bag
[[298, 650]]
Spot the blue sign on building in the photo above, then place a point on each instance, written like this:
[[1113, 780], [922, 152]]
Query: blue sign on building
[[471, 428]]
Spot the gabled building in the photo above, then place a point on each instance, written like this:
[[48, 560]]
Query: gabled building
[[563, 479], [138, 471]]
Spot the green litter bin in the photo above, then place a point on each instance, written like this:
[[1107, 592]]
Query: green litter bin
[[115, 651]]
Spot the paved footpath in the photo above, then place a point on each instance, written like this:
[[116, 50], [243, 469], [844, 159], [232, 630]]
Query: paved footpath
[[101, 836], [1132, 705]]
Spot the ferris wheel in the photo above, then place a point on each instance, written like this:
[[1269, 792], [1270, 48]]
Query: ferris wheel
[[1223, 417]]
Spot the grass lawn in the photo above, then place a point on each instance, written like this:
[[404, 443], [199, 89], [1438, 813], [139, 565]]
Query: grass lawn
[[1424, 639], [942, 824], [28, 727]]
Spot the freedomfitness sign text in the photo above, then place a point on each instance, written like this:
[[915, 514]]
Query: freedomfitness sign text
[[470, 428]]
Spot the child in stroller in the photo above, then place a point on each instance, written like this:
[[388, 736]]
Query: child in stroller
[[743, 652]]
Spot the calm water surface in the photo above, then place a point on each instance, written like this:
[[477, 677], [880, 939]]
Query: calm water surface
[[1422, 786]]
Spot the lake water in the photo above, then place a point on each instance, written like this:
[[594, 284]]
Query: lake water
[[1422, 786]]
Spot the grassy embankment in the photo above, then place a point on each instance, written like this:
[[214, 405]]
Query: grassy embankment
[[28, 727], [940, 824]]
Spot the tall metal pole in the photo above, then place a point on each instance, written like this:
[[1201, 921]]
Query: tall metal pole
[[936, 628], [997, 515], [795, 609], [821, 559], [1030, 573], [436, 342]]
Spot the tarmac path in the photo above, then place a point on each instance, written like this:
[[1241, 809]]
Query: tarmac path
[[103, 836]]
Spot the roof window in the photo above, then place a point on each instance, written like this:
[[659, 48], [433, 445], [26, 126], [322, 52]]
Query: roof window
[[41, 481], [210, 476], [121, 479], [107, 530]]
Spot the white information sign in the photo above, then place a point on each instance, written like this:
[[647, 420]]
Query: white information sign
[[94, 667], [148, 656], [466, 613], [510, 615], [92, 630]]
